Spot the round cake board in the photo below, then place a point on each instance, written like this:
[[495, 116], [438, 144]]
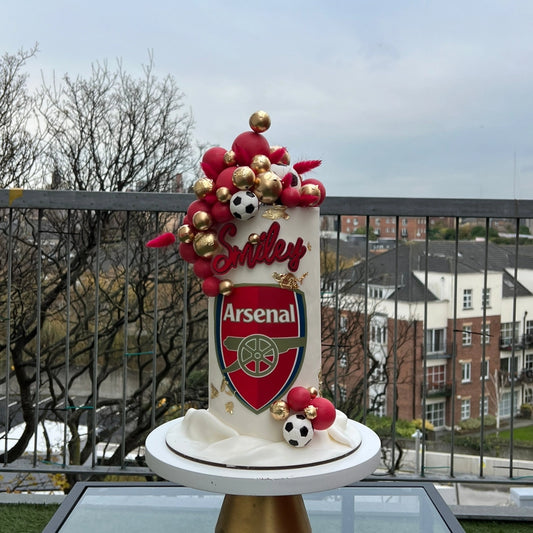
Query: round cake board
[[272, 482]]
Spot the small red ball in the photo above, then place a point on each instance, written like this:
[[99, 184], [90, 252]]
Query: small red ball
[[187, 253], [290, 197], [197, 205], [202, 268], [325, 413], [213, 162], [249, 144], [210, 286], [225, 179], [298, 398], [221, 212], [319, 184]]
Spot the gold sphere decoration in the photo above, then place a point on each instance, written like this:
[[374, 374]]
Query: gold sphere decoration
[[202, 220], [243, 178], [260, 121], [185, 233], [202, 187], [268, 187], [286, 159], [311, 190], [225, 287], [280, 410], [310, 412], [205, 244], [229, 158], [313, 391], [223, 195], [260, 163], [253, 238]]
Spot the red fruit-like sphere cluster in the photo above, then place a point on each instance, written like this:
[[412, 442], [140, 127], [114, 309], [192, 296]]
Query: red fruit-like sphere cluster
[[324, 413], [251, 165]]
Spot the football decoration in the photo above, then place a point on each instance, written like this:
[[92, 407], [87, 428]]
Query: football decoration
[[298, 431], [234, 183], [244, 205]]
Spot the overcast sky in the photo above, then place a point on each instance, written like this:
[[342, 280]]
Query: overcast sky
[[398, 98]]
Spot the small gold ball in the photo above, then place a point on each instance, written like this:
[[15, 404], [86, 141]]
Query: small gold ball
[[260, 121], [202, 220], [280, 410], [185, 233], [205, 244], [310, 412], [243, 178], [229, 158], [223, 195], [260, 163], [313, 391], [253, 238], [268, 187], [202, 187], [311, 190], [225, 287]]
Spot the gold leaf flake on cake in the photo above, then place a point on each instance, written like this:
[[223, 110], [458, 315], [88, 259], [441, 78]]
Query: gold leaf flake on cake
[[229, 408], [276, 212], [214, 391], [289, 280], [224, 387], [309, 247]]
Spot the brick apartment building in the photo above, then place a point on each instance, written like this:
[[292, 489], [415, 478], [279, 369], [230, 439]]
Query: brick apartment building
[[472, 352]]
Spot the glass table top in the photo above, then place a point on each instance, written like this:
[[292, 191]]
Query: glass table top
[[162, 507]]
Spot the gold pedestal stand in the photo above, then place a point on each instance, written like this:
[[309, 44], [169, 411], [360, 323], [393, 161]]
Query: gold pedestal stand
[[263, 514]]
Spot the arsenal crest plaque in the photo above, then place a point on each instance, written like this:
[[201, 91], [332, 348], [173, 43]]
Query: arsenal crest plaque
[[260, 340]]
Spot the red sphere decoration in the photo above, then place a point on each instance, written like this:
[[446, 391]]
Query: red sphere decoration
[[221, 212], [225, 179], [249, 144], [298, 398], [211, 198], [325, 413], [202, 268], [197, 205], [187, 252], [319, 184], [210, 286], [290, 197], [213, 162]]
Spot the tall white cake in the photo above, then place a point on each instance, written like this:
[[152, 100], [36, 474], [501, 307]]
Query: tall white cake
[[253, 237]]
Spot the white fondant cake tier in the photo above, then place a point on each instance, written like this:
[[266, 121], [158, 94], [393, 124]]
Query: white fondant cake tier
[[264, 339], [202, 437]]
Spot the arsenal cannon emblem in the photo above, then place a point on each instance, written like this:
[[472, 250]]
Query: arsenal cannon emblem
[[260, 339]]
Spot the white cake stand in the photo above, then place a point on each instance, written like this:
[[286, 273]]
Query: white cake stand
[[263, 500]]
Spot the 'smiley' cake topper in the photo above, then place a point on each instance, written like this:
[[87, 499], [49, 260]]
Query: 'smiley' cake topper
[[235, 184]]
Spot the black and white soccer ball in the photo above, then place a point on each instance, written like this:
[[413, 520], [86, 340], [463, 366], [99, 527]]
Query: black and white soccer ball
[[244, 205], [298, 430]]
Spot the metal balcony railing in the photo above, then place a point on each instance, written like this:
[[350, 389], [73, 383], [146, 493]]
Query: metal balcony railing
[[101, 340]]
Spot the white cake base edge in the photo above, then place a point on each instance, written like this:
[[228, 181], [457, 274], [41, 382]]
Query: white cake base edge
[[172, 467], [201, 436]]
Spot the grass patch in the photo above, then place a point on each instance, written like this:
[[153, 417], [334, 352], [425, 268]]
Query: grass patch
[[25, 517], [520, 434], [496, 527]]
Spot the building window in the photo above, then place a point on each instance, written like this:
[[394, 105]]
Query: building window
[[436, 340], [505, 404], [343, 360], [467, 299], [509, 331], [466, 372], [375, 292], [485, 334], [465, 409], [467, 335], [506, 366], [528, 395], [404, 222], [342, 393], [528, 363], [378, 333], [435, 413], [343, 322], [485, 298], [484, 369], [436, 377]]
